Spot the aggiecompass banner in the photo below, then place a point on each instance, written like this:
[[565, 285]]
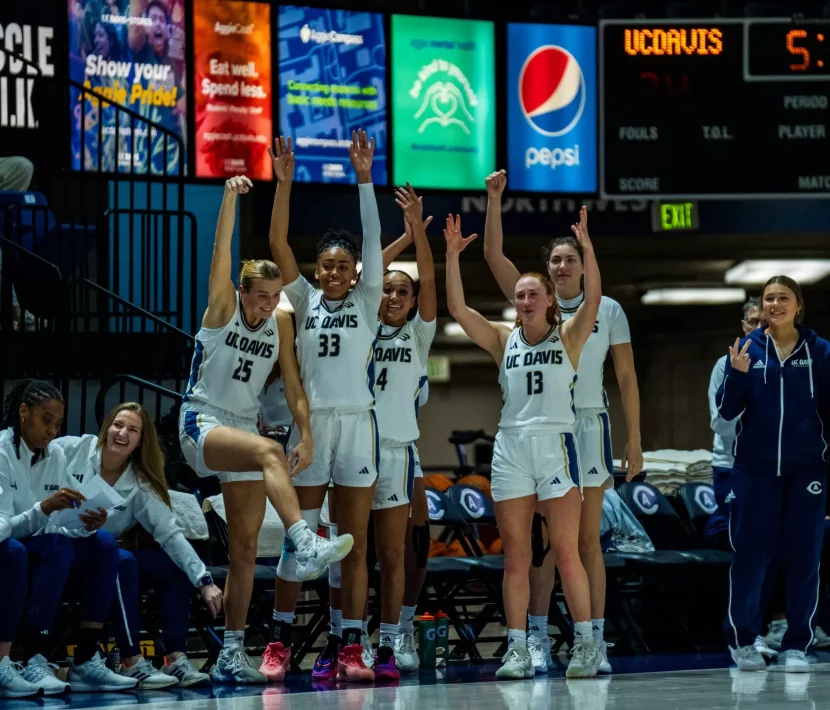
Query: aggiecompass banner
[[232, 88], [443, 111]]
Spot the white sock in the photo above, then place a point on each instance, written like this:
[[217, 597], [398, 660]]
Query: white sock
[[388, 635], [407, 619], [336, 617], [583, 633], [300, 535], [598, 628], [537, 625], [284, 617], [517, 636], [234, 639]]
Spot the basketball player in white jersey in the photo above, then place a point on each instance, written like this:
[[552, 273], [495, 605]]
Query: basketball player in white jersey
[[565, 267], [405, 334], [274, 415], [535, 457], [241, 337], [336, 331]]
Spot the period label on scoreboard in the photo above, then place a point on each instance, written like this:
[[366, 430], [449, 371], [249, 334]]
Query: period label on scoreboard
[[703, 109]]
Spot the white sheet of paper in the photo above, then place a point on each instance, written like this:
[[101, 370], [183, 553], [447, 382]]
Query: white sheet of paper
[[98, 494]]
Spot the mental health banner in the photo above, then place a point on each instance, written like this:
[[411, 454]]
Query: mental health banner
[[443, 101], [132, 53], [232, 88], [332, 69], [552, 108]]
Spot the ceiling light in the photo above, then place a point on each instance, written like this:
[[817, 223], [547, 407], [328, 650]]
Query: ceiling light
[[408, 267], [692, 296], [509, 313], [454, 330], [759, 271]]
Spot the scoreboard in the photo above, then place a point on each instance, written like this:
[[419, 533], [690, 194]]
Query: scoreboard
[[706, 109]]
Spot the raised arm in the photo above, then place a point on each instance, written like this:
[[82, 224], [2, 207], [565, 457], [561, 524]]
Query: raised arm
[[501, 267], [733, 393], [282, 158], [361, 152], [301, 456], [136, 32], [413, 209], [221, 293], [486, 335], [576, 330]]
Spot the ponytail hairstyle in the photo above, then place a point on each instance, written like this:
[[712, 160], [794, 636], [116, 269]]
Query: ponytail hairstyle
[[147, 459], [257, 269], [31, 393], [553, 317], [416, 290], [791, 284]]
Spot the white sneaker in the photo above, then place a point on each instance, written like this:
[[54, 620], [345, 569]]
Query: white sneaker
[[94, 677], [406, 656], [821, 639], [147, 676], [184, 673], [368, 654], [234, 666], [539, 649], [762, 648], [794, 661], [777, 629], [604, 664], [40, 672], [585, 660], [747, 658], [315, 559], [516, 663], [12, 683]]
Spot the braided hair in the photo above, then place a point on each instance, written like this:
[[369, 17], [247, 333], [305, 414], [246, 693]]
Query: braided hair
[[31, 393], [341, 238]]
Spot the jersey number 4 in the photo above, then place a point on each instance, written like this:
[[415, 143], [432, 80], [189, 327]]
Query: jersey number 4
[[383, 380], [535, 384], [243, 370], [329, 345]]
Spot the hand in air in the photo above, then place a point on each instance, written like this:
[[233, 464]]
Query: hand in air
[[580, 229], [410, 203], [212, 597], [361, 153], [282, 158], [496, 182], [738, 357], [301, 457], [238, 185], [456, 243], [407, 228]]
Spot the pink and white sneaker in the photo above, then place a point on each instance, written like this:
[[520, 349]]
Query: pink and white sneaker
[[350, 665], [275, 661]]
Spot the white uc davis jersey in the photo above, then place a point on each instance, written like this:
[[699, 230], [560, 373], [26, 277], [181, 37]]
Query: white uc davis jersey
[[335, 347], [231, 364], [537, 383], [611, 328], [401, 363], [274, 410]]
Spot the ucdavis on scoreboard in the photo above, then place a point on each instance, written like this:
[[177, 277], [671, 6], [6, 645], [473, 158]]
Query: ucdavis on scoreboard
[[704, 109]]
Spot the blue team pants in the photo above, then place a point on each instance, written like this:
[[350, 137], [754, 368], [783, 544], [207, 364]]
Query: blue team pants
[[14, 574]]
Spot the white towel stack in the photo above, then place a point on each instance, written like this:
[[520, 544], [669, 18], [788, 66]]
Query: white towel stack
[[271, 534], [668, 469]]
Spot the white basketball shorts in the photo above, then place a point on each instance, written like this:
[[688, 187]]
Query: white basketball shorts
[[593, 439]]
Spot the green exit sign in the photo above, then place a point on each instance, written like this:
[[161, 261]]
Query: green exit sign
[[674, 216]]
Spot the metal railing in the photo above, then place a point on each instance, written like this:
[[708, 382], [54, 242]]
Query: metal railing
[[134, 389]]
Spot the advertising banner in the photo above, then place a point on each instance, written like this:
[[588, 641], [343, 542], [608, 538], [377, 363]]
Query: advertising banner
[[443, 101], [232, 89], [551, 108], [332, 70], [131, 52]]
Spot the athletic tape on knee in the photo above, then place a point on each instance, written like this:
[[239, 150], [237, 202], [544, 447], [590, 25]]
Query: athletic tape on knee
[[420, 543], [537, 541], [287, 566]]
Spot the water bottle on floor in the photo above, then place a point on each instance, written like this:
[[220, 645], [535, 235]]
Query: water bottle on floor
[[426, 641]]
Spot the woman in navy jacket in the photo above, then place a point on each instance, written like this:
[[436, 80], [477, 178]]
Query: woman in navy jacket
[[776, 382]]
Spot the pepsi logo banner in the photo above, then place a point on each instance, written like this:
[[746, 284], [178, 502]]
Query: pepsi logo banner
[[552, 108]]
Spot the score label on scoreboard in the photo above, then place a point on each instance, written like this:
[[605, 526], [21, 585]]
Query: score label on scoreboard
[[693, 109]]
